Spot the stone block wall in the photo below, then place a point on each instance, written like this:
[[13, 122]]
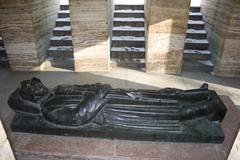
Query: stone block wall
[[222, 19], [167, 24], [90, 21], [26, 27]]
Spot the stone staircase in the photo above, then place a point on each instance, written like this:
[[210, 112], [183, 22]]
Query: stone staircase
[[196, 55], [3, 54], [61, 48], [128, 37]]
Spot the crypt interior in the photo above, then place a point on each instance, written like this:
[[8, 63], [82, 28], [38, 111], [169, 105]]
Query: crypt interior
[[137, 44]]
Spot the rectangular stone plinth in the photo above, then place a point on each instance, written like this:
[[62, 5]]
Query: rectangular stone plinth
[[38, 147], [223, 28], [167, 24], [90, 22], [26, 27]]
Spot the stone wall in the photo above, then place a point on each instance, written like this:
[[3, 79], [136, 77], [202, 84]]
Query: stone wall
[[26, 27], [167, 24], [90, 30], [222, 19]]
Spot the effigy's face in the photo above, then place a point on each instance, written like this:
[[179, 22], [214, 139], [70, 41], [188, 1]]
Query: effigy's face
[[38, 90]]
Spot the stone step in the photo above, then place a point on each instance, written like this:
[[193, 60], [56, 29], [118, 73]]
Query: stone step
[[190, 54], [127, 43], [127, 52], [61, 52], [196, 34], [61, 41], [3, 57], [129, 7], [195, 15], [1, 42], [60, 63], [205, 66], [129, 28], [60, 22], [129, 13], [136, 63], [128, 38], [4, 61], [127, 55], [198, 25], [132, 24], [128, 49], [128, 31], [130, 21], [195, 9], [2, 50], [64, 7], [62, 31], [198, 44], [64, 14]]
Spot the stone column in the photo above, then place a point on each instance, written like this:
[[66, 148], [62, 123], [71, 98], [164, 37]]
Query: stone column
[[167, 24], [90, 32], [26, 28], [222, 19]]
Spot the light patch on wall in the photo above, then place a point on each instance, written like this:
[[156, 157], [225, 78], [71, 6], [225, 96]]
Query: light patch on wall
[[196, 3], [129, 1], [91, 51], [164, 26], [64, 2]]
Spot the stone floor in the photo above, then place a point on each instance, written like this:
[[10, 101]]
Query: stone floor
[[119, 78]]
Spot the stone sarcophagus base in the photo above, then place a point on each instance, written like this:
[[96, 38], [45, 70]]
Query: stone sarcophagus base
[[100, 111]]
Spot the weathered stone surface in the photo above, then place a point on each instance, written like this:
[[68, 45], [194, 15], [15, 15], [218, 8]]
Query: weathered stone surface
[[26, 29], [167, 25], [90, 31], [223, 27]]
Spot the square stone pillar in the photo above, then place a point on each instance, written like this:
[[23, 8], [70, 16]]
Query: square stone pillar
[[167, 25], [90, 31], [26, 27], [223, 28]]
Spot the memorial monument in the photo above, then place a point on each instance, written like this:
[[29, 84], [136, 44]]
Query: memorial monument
[[98, 110]]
